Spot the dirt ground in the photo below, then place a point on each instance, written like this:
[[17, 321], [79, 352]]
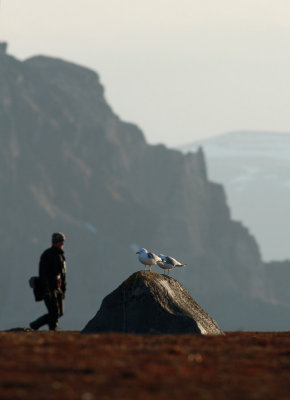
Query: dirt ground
[[70, 365]]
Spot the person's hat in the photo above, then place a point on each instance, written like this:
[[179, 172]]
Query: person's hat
[[57, 237]]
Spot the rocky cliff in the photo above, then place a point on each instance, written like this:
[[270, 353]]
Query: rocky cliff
[[69, 163]]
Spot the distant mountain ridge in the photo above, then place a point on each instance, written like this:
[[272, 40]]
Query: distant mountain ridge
[[69, 163], [246, 143], [254, 168]]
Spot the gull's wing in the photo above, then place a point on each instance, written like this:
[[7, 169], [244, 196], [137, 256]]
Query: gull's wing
[[154, 257], [176, 263], [170, 261]]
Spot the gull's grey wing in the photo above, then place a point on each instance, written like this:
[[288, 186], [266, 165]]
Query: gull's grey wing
[[170, 261], [153, 256]]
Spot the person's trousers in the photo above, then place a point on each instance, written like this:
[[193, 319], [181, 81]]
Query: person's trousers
[[54, 305]]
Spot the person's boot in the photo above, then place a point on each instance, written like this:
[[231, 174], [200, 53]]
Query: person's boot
[[39, 322], [34, 326], [52, 325]]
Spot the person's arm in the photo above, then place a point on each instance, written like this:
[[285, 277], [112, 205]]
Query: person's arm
[[63, 280], [43, 273]]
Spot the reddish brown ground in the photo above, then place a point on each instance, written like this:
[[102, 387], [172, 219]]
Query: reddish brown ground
[[69, 365]]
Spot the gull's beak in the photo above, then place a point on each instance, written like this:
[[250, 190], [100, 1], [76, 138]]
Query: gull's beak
[[137, 252]]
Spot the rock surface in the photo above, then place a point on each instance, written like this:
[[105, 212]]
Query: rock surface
[[148, 302]]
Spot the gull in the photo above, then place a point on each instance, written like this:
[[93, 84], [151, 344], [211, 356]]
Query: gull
[[147, 258], [168, 263]]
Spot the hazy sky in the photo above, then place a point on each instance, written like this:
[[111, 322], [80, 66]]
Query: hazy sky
[[180, 69]]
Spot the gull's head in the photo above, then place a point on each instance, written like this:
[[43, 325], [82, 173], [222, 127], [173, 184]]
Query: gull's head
[[140, 251], [162, 256]]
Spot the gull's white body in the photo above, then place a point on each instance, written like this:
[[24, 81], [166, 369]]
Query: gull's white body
[[147, 258], [168, 263]]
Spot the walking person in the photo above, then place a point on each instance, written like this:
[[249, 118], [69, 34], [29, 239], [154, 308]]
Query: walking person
[[52, 276]]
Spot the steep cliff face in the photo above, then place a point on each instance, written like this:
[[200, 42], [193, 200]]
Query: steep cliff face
[[69, 163]]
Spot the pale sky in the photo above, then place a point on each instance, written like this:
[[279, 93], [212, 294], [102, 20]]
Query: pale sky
[[182, 70]]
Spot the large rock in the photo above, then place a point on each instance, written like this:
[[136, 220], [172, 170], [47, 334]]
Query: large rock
[[148, 302]]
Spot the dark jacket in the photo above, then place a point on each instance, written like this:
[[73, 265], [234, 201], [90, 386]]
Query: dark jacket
[[52, 270]]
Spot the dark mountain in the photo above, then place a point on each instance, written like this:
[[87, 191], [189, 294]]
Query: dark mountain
[[68, 163]]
